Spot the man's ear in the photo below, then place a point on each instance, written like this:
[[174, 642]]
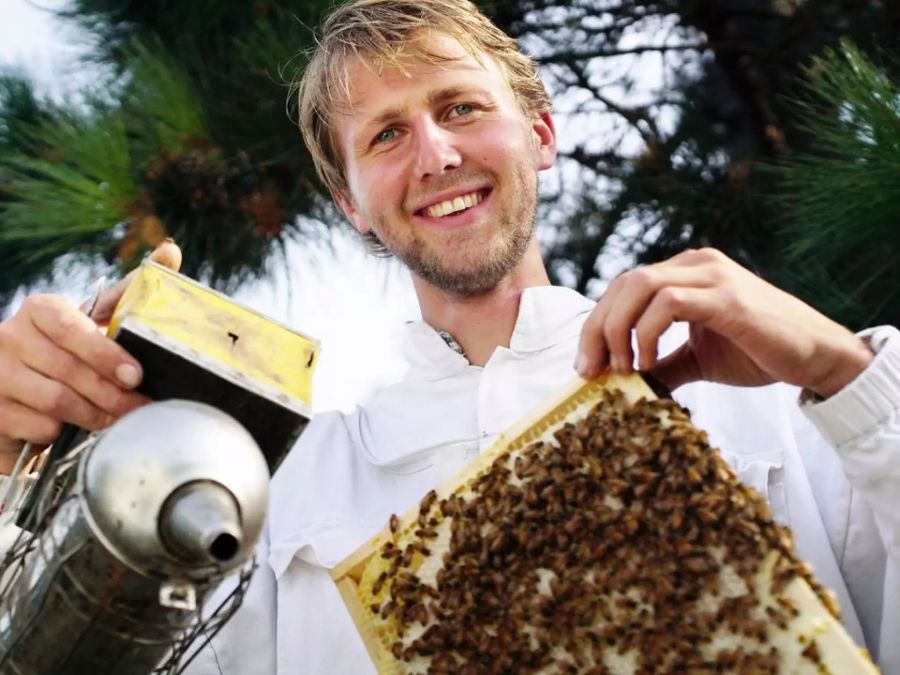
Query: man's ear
[[346, 205], [545, 138]]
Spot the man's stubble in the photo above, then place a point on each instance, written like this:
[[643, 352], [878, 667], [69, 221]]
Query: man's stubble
[[488, 266]]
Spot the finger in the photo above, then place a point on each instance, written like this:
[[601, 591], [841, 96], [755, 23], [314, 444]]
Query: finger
[[57, 364], [56, 400], [101, 309], [167, 254], [592, 356], [671, 304], [666, 307], [19, 423], [678, 368], [634, 294], [700, 257], [606, 336], [74, 332]]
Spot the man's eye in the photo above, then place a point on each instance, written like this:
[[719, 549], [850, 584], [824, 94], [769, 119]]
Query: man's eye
[[385, 136], [461, 109]]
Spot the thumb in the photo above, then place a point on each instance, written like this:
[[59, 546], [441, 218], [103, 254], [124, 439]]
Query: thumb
[[167, 254], [678, 368]]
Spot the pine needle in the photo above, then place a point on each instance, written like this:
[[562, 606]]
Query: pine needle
[[840, 201]]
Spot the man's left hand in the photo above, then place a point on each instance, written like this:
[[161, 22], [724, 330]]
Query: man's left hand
[[743, 330]]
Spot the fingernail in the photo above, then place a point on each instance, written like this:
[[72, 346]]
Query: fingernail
[[615, 364], [581, 364], [128, 374]]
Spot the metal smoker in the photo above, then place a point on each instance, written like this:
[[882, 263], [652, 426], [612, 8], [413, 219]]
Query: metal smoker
[[126, 532], [137, 526]]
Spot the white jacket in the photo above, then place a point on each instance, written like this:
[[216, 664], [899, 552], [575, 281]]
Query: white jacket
[[348, 473]]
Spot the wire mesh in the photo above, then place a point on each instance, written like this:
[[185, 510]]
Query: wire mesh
[[46, 542]]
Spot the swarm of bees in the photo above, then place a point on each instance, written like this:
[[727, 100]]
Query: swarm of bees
[[621, 543]]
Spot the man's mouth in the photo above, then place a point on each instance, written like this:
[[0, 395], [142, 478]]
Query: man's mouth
[[455, 205]]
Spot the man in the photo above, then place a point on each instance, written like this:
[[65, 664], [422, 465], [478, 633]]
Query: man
[[430, 129]]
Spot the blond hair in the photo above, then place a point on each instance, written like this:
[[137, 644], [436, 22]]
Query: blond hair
[[382, 32]]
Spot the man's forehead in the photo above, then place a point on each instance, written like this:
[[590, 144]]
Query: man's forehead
[[424, 61]]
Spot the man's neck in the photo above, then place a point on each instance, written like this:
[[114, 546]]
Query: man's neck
[[483, 323]]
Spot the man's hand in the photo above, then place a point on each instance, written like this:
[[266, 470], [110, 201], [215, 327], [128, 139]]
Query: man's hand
[[743, 330], [56, 367]]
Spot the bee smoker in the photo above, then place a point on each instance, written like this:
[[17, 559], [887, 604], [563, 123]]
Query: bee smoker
[[137, 525]]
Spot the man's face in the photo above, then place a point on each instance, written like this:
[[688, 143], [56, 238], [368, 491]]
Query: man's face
[[442, 166]]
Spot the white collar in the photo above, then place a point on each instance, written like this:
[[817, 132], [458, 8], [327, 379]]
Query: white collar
[[547, 314]]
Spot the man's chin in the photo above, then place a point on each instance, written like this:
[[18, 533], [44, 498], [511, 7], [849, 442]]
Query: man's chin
[[466, 271], [462, 282]]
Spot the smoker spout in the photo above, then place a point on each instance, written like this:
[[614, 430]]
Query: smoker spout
[[200, 523], [189, 504], [142, 517]]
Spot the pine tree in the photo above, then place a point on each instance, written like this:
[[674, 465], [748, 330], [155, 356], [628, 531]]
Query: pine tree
[[689, 100], [188, 137], [670, 110], [839, 200]]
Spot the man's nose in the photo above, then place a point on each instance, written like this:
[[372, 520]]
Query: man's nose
[[435, 149]]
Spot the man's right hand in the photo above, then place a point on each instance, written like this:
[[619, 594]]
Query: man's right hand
[[57, 367]]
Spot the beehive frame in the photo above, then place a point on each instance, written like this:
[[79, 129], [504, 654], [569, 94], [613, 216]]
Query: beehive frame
[[837, 651]]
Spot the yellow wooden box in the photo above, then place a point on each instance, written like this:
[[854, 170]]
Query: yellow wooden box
[[195, 343]]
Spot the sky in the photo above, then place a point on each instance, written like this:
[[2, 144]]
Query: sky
[[354, 304], [49, 50]]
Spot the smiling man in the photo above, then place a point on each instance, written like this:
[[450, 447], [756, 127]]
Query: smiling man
[[430, 129], [442, 167]]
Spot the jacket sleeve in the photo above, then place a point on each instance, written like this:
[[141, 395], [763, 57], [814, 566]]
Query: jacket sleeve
[[246, 643], [863, 424]]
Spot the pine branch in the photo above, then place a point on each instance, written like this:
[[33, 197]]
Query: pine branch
[[839, 199]]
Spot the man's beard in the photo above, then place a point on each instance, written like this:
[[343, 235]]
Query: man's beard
[[516, 228], [479, 279]]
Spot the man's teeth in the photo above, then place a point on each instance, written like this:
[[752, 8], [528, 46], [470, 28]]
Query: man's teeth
[[453, 205]]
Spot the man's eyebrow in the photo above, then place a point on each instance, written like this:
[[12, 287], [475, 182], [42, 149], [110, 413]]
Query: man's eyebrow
[[434, 98], [450, 93]]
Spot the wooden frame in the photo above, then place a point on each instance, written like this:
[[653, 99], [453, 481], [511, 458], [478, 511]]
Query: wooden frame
[[838, 652]]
